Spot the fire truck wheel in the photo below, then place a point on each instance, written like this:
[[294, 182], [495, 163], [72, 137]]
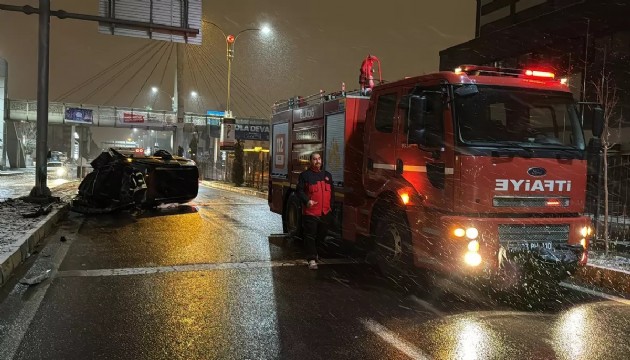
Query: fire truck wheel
[[292, 219], [392, 246]]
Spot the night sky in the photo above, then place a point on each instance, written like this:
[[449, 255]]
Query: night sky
[[314, 45]]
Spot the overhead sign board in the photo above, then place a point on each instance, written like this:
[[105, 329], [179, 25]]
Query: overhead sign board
[[174, 13], [220, 114], [79, 115], [133, 118]]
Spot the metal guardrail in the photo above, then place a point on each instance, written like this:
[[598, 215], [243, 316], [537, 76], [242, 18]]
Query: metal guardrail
[[110, 116], [317, 98]]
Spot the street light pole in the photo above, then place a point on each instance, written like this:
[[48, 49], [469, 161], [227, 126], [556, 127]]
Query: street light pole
[[230, 55], [230, 40]]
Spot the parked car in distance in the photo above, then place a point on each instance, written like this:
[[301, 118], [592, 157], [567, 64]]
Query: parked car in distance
[[57, 170]]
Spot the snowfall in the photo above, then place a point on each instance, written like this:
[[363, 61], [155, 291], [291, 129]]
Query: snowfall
[[14, 226]]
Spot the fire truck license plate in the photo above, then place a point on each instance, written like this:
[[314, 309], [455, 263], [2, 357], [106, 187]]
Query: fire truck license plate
[[525, 246]]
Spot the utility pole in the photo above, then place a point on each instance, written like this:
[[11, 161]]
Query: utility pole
[[179, 96], [41, 192]]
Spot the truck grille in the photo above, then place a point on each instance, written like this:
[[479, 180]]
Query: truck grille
[[522, 201], [533, 233]]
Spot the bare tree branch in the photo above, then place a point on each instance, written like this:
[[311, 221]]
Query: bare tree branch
[[606, 93]]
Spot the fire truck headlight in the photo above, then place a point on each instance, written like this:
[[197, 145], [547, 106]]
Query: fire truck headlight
[[61, 172], [586, 231], [472, 258], [473, 246], [583, 243], [472, 233], [459, 232], [404, 198]]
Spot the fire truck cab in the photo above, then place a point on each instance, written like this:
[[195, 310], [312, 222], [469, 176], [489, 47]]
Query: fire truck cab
[[479, 172]]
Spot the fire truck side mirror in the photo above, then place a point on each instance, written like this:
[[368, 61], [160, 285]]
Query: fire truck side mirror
[[598, 121]]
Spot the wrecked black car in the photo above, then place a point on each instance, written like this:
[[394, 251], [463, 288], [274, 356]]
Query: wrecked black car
[[126, 179]]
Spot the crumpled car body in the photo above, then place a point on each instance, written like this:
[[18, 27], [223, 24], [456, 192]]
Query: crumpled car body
[[124, 179]]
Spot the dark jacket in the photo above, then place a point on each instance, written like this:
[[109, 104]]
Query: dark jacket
[[316, 186]]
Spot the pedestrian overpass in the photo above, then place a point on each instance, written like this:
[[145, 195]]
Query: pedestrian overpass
[[81, 117], [67, 119]]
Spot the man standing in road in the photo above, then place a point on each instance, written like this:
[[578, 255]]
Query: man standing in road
[[315, 190]]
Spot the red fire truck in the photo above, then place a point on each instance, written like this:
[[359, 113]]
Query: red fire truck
[[480, 171]]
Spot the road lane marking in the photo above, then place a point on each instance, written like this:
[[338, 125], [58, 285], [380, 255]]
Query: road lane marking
[[426, 305], [393, 339], [196, 267], [17, 329], [595, 293]]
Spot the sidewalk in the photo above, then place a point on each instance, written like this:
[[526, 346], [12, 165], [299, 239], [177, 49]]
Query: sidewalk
[[19, 235]]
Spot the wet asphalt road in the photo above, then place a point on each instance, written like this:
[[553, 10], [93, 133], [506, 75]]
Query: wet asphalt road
[[205, 282]]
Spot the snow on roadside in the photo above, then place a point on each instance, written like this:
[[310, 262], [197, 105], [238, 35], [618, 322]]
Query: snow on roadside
[[13, 226], [611, 261]]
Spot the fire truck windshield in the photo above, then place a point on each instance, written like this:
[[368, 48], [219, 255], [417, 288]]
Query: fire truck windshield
[[519, 117]]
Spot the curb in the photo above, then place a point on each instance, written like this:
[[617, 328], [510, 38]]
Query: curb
[[617, 281], [23, 248], [244, 191]]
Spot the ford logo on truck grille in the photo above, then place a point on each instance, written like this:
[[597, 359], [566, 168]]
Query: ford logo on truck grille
[[537, 171]]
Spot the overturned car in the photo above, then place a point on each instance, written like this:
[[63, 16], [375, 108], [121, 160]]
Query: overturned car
[[124, 179]]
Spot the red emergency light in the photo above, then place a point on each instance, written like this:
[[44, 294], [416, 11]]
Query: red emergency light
[[497, 71], [538, 73]]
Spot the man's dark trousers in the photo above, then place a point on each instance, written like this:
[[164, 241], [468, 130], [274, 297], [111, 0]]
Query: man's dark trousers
[[315, 230]]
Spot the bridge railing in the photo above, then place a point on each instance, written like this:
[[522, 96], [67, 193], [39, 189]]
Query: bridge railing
[[110, 116]]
